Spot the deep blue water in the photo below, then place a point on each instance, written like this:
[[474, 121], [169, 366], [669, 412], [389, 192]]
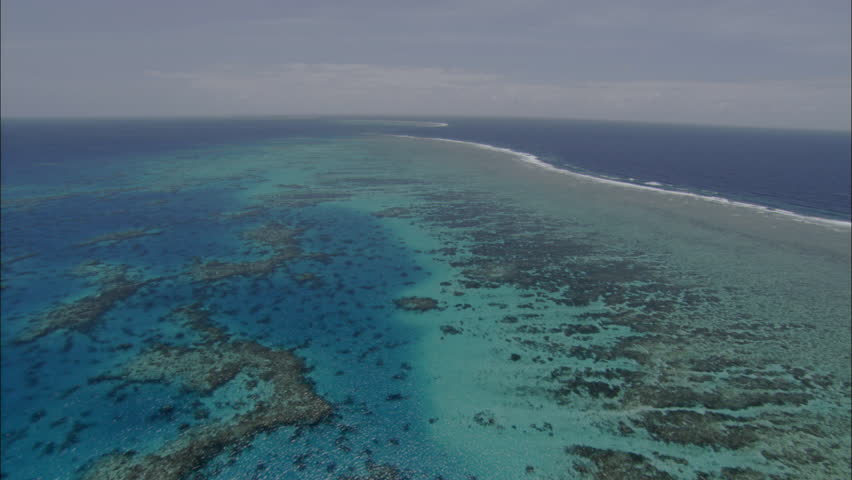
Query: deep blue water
[[806, 172], [85, 142]]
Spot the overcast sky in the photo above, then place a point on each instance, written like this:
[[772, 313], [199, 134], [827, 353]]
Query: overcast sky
[[745, 62]]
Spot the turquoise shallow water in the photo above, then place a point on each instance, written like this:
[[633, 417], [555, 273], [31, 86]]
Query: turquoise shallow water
[[382, 307]]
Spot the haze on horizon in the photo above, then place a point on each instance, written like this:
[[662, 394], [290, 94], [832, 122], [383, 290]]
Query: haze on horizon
[[771, 63]]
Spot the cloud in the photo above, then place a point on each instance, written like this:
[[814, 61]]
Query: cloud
[[376, 89], [751, 62]]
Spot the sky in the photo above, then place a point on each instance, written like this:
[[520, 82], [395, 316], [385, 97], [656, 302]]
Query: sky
[[773, 63]]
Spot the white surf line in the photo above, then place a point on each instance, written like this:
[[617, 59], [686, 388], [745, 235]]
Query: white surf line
[[534, 160]]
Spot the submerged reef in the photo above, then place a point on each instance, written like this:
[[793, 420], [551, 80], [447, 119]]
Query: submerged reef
[[114, 284], [665, 356], [714, 430], [197, 319], [282, 239], [394, 212], [378, 471], [8, 262], [417, 304], [601, 358], [299, 196], [121, 236], [214, 270], [605, 464], [280, 395]]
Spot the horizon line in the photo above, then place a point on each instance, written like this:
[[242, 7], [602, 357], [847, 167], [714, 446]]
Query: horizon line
[[396, 116]]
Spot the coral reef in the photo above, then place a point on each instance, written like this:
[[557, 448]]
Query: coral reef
[[713, 430], [378, 471], [83, 314], [121, 236], [301, 198], [282, 239], [203, 368], [611, 464], [214, 270], [417, 304], [278, 236], [665, 355], [394, 212]]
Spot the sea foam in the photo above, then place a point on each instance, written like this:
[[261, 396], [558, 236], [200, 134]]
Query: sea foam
[[533, 160]]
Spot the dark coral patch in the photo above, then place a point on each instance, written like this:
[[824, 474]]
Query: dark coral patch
[[393, 212], [451, 330], [121, 236], [611, 464], [713, 430], [203, 368], [83, 314], [417, 304], [378, 471]]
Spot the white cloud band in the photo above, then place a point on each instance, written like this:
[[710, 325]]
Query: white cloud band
[[359, 88]]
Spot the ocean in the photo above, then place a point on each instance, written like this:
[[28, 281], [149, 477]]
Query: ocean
[[365, 298], [807, 172]]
